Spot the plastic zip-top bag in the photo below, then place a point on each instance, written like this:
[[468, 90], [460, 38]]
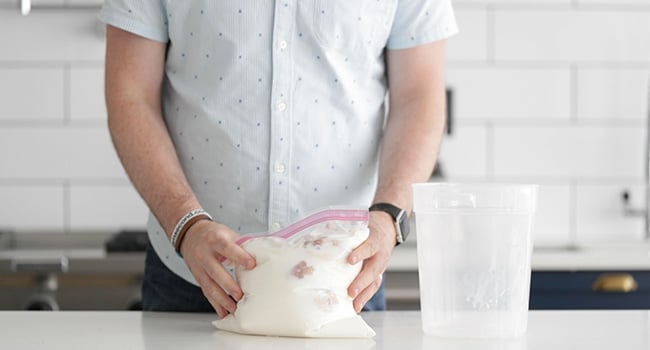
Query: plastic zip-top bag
[[299, 286]]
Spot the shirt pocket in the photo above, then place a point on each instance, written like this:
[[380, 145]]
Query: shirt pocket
[[353, 26]]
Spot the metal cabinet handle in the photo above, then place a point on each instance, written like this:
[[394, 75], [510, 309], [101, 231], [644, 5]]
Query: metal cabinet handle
[[615, 283]]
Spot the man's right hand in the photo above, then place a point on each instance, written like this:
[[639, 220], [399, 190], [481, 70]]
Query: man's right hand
[[135, 71], [203, 246]]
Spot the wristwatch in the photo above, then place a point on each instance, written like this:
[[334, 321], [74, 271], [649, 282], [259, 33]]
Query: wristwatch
[[399, 217]]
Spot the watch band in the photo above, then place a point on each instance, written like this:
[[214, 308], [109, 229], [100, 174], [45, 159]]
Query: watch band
[[399, 219]]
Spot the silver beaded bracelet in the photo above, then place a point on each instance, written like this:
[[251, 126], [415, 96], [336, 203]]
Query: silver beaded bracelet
[[184, 220]]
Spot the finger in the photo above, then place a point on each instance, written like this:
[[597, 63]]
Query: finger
[[366, 294], [365, 250], [372, 268], [220, 301], [221, 276], [221, 312], [219, 297], [237, 254]]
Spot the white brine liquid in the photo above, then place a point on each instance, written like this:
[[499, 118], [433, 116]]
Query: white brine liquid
[[474, 272]]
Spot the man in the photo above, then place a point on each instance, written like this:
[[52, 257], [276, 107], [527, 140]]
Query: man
[[236, 117]]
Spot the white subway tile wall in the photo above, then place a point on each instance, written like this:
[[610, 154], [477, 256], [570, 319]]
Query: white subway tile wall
[[553, 92], [510, 2], [561, 88], [494, 92], [553, 217], [30, 94], [62, 153], [472, 45], [599, 212], [28, 207], [95, 207], [52, 36], [622, 93], [572, 34], [572, 151], [87, 94], [56, 154], [464, 153]]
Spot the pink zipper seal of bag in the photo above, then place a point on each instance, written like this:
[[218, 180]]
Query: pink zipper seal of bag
[[311, 220]]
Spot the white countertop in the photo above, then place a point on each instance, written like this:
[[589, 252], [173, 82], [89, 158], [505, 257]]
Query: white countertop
[[24, 330], [583, 258]]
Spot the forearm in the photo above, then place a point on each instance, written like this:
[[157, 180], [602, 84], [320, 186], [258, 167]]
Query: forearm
[[134, 75], [148, 155], [415, 121], [149, 158], [410, 148]]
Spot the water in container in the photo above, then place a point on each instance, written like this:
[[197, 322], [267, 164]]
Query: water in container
[[474, 248]]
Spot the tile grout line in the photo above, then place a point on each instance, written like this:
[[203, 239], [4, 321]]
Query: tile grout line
[[48, 64], [545, 64], [66, 94], [573, 86], [489, 150], [58, 182], [52, 124], [573, 220], [67, 215], [490, 39], [570, 6]]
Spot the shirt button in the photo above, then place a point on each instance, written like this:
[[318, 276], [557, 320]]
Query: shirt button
[[276, 226], [282, 106], [283, 44], [279, 167]]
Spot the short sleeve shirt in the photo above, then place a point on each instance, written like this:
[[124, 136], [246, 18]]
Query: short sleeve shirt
[[276, 108]]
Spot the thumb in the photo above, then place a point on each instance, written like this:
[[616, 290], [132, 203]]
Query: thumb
[[238, 255]]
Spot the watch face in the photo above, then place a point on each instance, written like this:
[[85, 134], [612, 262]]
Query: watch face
[[405, 228], [402, 226]]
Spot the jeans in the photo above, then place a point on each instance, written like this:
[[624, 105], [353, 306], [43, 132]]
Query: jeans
[[163, 290]]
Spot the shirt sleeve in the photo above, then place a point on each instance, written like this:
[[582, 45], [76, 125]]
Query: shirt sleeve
[[146, 18], [419, 22]]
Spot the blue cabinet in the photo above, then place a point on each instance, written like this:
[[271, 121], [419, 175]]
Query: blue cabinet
[[590, 290]]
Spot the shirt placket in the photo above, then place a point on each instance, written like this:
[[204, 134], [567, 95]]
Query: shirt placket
[[281, 102]]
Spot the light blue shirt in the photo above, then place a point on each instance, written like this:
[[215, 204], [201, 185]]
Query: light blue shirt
[[276, 108]]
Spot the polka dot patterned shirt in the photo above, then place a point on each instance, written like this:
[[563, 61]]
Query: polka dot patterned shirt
[[276, 107]]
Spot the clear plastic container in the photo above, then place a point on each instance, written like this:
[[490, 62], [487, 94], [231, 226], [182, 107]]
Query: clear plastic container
[[474, 249]]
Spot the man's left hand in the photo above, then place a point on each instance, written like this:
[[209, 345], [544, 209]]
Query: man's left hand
[[375, 253]]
